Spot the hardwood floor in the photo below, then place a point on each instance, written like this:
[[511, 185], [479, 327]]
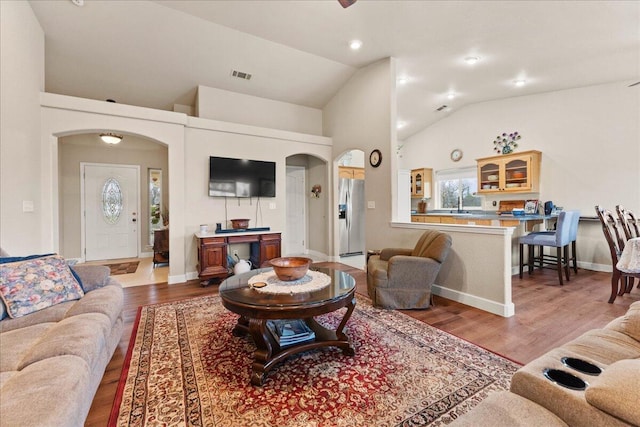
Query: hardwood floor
[[547, 315]]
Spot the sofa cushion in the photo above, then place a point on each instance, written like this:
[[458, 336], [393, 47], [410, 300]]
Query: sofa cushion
[[51, 314], [92, 276], [605, 346], [52, 392], [34, 284], [16, 343], [628, 324], [107, 300], [84, 336], [505, 409], [617, 390]]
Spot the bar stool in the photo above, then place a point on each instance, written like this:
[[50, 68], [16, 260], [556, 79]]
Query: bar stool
[[560, 239], [573, 235]]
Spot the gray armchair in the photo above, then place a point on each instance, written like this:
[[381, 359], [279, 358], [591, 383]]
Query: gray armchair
[[402, 278]]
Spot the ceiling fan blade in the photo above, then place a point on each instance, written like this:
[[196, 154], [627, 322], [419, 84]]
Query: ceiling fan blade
[[346, 3]]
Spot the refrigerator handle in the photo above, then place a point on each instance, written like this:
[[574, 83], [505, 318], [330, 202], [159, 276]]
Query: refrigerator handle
[[348, 213]]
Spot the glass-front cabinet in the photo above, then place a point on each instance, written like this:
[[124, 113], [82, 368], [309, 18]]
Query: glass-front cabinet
[[510, 173], [421, 182]]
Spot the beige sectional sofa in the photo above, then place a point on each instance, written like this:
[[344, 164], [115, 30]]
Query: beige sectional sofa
[[52, 360], [611, 398]]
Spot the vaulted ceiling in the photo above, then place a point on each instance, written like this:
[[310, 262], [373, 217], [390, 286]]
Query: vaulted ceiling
[[155, 53]]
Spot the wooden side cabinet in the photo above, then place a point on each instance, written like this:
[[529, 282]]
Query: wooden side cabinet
[[212, 258], [269, 247], [212, 252]]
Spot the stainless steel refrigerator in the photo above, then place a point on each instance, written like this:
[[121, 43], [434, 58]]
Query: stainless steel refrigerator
[[351, 216]]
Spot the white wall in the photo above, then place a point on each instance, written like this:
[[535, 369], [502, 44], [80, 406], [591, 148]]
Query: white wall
[[227, 106], [66, 115], [21, 81], [206, 138], [590, 143], [361, 116], [589, 138]]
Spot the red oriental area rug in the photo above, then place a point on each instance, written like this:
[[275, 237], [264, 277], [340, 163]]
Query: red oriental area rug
[[184, 367]]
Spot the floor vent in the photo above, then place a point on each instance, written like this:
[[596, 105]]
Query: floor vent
[[241, 75]]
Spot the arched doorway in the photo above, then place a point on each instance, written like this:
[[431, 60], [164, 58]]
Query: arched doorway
[[307, 225]]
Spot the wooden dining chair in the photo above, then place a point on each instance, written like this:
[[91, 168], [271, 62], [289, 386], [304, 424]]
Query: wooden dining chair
[[629, 222], [631, 229], [616, 240]]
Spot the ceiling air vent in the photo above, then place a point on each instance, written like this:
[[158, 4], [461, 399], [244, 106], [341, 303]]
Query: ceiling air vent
[[442, 108], [241, 75], [634, 84]]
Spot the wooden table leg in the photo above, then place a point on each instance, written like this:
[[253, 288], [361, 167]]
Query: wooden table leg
[[264, 350]]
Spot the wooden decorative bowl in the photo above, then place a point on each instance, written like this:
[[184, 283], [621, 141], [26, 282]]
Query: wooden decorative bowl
[[239, 223], [290, 268]]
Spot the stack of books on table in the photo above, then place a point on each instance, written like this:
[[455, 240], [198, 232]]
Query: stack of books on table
[[290, 331]]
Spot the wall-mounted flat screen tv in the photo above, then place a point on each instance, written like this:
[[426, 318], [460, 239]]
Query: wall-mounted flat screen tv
[[241, 178]]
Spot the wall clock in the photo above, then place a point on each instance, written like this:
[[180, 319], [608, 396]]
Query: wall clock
[[375, 158], [456, 154]]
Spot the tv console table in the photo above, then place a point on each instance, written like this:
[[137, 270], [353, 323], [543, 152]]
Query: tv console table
[[212, 251]]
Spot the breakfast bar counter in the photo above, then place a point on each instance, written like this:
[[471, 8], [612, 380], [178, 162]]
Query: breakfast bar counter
[[490, 218]]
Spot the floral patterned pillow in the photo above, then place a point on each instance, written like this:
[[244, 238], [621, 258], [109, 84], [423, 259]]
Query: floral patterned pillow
[[35, 284]]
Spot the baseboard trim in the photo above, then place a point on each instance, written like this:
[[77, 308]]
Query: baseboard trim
[[504, 310], [178, 278]]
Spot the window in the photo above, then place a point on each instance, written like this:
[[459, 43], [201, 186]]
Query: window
[[456, 189], [111, 201]]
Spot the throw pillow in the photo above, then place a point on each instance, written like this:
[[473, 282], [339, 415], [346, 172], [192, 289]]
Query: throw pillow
[[615, 390], [5, 258], [70, 263], [34, 284]]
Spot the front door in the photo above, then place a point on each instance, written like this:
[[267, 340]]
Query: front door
[[110, 200]]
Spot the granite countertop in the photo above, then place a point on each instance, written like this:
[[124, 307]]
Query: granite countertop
[[485, 215]]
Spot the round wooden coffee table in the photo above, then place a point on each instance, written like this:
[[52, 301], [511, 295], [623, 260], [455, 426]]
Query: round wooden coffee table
[[256, 308]]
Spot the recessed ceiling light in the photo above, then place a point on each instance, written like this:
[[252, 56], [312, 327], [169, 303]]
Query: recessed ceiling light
[[451, 95], [401, 124], [403, 80], [355, 44], [471, 59], [519, 82]]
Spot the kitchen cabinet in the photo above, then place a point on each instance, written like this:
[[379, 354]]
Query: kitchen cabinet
[[510, 173], [421, 182], [350, 172]]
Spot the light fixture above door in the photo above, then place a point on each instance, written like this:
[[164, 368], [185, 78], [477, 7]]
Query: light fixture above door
[[111, 138]]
